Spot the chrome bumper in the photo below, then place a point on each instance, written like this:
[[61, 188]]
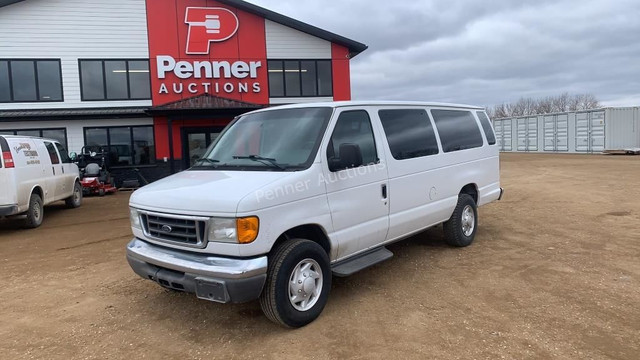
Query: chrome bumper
[[210, 277]]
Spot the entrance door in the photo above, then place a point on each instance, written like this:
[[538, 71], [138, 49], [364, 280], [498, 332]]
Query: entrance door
[[195, 142]]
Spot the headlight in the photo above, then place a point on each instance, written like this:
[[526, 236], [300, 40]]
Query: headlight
[[240, 230], [134, 216]]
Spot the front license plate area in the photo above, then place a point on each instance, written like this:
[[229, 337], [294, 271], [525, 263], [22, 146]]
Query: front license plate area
[[211, 290]]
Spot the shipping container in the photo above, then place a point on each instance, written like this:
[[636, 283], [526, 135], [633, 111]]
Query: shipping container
[[589, 131]]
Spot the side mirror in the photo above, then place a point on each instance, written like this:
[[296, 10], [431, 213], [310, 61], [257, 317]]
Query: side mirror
[[73, 156], [350, 157]]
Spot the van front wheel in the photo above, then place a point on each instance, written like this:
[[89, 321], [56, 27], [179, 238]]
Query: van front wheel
[[298, 283], [460, 229], [35, 212]]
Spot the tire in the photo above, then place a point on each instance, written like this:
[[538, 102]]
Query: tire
[[75, 200], [101, 192], [287, 263], [460, 229], [35, 212]]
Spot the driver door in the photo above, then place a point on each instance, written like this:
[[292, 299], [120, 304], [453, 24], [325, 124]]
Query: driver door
[[358, 196]]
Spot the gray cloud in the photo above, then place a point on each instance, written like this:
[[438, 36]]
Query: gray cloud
[[482, 52]]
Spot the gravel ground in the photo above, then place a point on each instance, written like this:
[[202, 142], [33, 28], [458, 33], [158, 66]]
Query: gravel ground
[[554, 273]]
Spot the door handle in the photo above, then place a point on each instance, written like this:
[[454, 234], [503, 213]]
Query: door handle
[[54, 169], [62, 169], [384, 191]]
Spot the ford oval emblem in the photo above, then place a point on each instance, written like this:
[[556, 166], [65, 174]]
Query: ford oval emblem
[[166, 228]]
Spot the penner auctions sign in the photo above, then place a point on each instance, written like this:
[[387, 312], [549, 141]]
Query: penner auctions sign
[[218, 50]]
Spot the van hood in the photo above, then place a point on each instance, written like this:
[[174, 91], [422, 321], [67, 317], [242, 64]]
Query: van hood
[[202, 192]]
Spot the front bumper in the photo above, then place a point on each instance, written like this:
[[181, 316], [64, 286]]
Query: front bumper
[[6, 210], [212, 278]]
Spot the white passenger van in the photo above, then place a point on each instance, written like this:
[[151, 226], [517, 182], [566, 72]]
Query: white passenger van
[[35, 172], [289, 196]]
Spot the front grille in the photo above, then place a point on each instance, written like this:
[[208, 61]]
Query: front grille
[[178, 230]]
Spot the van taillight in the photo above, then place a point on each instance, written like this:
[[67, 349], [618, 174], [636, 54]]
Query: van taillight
[[8, 159]]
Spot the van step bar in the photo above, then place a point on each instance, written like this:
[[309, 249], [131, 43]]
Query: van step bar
[[361, 262]]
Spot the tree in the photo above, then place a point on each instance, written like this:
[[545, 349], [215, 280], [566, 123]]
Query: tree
[[550, 104]]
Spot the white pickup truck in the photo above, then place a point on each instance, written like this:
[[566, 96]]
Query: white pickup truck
[[289, 196]]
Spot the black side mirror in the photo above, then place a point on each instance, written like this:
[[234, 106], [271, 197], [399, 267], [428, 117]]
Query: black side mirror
[[350, 157]]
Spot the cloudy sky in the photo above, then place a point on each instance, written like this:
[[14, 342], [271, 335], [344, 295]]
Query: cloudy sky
[[484, 52]]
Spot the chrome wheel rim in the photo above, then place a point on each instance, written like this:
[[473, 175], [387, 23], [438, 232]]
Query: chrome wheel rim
[[76, 195], [305, 285], [37, 212], [468, 220]]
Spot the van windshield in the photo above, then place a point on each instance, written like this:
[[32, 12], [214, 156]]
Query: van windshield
[[274, 140]]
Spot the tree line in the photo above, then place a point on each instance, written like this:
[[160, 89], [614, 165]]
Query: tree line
[[550, 104]]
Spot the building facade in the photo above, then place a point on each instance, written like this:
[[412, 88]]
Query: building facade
[[156, 81]]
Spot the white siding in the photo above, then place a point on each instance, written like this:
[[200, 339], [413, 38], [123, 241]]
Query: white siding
[[298, 100], [286, 43], [72, 29], [75, 128]]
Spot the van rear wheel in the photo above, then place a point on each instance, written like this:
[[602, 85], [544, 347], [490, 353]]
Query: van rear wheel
[[460, 229], [298, 283], [35, 212], [75, 200]]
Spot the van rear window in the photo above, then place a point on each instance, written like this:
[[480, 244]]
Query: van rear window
[[409, 133], [458, 129], [486, 126]]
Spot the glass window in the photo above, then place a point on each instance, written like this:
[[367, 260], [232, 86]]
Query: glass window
[[409, 133], [5, 87], [23, 76], [458, 129], [143, 145], [354, 127], [92, 80], [56, 134], [120, 146], [116, 80], [276, 78], [139, 84], [35, 133], [95, 137], [295, 78], [49, 86], [486, 125], [309, 79], [52, 153], [325, 83], [292, 78], [127, 146], [64, 156]]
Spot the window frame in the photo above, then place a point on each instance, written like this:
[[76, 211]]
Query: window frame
[[284, 81], [373, 135], [41, 130], [34, 62], [432, 125], [152, 160], [104, 79]]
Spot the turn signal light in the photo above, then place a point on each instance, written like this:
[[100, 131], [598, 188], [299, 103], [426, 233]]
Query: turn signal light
[[247, 229], [8, 159]]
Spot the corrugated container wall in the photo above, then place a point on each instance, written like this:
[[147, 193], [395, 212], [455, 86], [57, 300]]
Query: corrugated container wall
[[589, 131]]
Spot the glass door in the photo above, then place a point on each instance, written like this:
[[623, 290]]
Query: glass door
[[195, 142]]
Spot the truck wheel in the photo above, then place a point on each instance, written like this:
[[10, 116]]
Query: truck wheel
[[298, 283], [460, 229], [75, 200], [35, 212]]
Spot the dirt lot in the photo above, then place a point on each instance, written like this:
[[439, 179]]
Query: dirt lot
[[554, 273]]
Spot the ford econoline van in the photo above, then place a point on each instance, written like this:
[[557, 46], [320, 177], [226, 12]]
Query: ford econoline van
[[289, 196], [35, 172]]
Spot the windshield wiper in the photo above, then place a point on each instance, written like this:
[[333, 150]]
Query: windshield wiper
[[207, 160], [260, 159]]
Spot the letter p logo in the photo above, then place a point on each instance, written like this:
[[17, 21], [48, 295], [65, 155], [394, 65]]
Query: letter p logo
[[207, 25]]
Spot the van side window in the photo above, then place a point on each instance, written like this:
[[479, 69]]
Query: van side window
[[409, 133], [354, 127], [458, 129], [52, 153], [63, 154], [486, 125]]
